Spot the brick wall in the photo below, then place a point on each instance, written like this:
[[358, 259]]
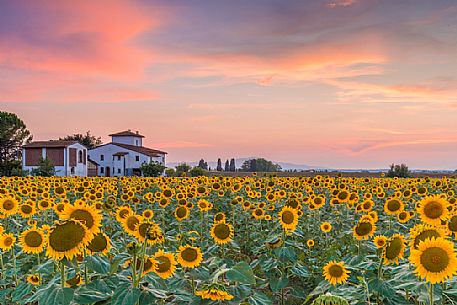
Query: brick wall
[[32, 156]]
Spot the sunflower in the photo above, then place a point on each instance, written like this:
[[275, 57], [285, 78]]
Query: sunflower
[[393, 206], [130, 224], [189, 256], [7, 241], [220, 216], [433, 209], [421, 232], [380, 241], [364, 230], [32, 241], [101, 243], [336, 273], [452, 224], [75, 281], [214, 294], [288, 218], [8, 206], [88, 215], [310, 243], [434, 260], [67, 239], [274, 244], [326, 227], [34, 279], [258, 213], [148, 214], [394, 249], [222, 232], [166, 264], [27, 210], [204, 205], [181, 213], [123, 212]]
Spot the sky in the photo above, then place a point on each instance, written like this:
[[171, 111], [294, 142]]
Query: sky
[[334, 83]]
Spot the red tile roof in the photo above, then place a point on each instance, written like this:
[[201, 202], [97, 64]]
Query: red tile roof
[[141, 149], [127, 133], [52, 143]]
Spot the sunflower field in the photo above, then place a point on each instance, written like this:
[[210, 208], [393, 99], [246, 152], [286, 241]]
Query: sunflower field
[[228, 240]]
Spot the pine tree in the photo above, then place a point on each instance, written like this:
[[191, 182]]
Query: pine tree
[[232, 165], [227, 166], [219, 165]]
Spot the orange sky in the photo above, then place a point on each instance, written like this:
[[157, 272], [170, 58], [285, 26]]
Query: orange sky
[[342, 83]]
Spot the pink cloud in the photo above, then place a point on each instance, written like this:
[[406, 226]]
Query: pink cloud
[[343, 3]]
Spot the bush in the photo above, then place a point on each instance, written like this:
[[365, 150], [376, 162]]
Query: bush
[[170, 172], [152, 169], [45, 168], [197, 171], [400, 171]]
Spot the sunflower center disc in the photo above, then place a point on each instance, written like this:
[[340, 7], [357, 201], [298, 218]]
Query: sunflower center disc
[[66, 236], [433, 209], [98, 244], [163, 265], [335, 271], [424, 235], [222, 231], [394, 248], [84, 216], [364, 228], [434, 259], [26, 209], [287, 217], [33, 239], [189, 254], [8, 205]]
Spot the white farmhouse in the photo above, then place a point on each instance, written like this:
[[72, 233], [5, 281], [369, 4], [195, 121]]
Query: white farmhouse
[[68, 157], [124, 155]]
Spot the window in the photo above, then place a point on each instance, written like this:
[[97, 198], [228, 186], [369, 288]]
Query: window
[[118, 170], [72, 170], [102, 170], [80, 156], [136, 141], [137, 158], [102, 158], [118, 158]]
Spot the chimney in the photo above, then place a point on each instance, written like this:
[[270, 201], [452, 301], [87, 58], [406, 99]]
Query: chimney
[[137, 132]]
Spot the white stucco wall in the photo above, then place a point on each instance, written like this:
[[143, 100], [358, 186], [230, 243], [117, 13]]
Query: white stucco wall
[[137, 141], [80, 169], [109, 150]]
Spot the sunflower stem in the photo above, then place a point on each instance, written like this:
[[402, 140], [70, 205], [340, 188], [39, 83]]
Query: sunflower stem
[[431, 294], [14, 267], [143, 254], [3, 268], [381, 262], [85, 268], [62, 274]]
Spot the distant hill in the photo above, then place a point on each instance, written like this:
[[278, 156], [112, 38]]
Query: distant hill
[[240, 161]]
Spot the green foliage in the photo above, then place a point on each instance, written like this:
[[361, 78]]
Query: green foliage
[[170, 172], [13, 134], [182, 169], [152, 169], [87, 139], [45, 168], [197, 171], [329, 299], [260, 165], [400, 171], [202, 164]]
